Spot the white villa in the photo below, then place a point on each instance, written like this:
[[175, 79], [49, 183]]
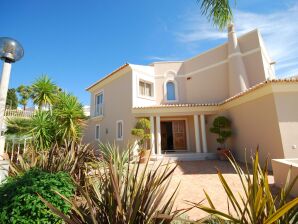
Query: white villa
[[182, 98]]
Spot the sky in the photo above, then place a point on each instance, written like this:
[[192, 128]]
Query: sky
[[77, 42]]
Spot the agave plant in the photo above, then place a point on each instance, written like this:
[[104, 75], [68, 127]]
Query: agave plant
[[73, 158], [257, 205], [114, 196]]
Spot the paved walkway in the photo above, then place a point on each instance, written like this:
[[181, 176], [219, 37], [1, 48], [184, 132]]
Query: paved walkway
[[194, 176]]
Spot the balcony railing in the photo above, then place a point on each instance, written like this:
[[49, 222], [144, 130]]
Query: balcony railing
[[98, 111], [18, 113]]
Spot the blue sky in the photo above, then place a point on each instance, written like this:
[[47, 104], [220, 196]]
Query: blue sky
[[77, 42]]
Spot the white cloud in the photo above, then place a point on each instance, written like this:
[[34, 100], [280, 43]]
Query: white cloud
[[279, 30]]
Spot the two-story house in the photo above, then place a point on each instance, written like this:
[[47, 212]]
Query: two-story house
[[182, 98]]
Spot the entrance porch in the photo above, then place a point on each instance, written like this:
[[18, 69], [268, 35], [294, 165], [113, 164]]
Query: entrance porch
[[179, 137]]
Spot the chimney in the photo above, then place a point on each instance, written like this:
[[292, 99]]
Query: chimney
[[238, 81]]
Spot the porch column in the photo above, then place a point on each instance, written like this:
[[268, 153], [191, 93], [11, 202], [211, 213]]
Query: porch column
[[158, 136], [197, 133], [203, 128], [152, 140]]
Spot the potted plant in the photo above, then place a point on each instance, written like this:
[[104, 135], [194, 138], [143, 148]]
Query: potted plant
[[142, 132], [222, 127]]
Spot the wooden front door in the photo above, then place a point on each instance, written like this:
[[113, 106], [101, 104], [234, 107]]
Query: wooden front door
[[179, 135]]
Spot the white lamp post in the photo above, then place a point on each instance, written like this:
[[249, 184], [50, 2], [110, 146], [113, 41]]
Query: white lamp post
[[10, 52]]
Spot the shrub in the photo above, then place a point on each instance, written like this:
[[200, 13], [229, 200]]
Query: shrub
[[137, 195], [73, 158], [221, 127], [142, 132], [19, 202]]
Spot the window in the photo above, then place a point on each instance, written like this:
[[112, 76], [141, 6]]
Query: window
[[145, 89], [99, 104], [97, 132], [171, 91], [119, 130]]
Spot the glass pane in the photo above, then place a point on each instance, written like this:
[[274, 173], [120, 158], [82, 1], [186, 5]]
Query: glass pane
[[148, 89], [171, 91], [142, 88], [119, 131]]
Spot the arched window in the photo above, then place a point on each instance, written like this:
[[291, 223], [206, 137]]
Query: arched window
[[171, 91]]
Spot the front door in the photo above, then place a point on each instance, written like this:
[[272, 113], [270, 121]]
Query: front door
[[179, 135], [173, 135]]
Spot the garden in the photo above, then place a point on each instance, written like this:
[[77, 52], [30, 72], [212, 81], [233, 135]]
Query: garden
[[60, 180]]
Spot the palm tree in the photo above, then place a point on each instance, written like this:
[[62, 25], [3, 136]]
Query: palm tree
[[69, 115], [25, 94], [44, 92], [217, 11]]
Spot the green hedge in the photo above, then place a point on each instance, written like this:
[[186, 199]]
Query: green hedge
[[19, 202]]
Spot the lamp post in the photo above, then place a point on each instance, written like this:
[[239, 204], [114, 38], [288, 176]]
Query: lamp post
[[10, 52]]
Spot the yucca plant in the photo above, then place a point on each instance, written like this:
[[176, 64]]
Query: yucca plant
[[72, 157], [44, 92], [69, 116], [257, 205], [134, 196]]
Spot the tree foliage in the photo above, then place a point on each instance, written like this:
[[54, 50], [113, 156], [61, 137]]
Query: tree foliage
[[221, 127], [12, 99], [142, 132], [217, 11], [25, 94], [44, 92], [69, 115]]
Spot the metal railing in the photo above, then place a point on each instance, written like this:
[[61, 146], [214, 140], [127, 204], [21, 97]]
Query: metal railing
[[18, 113], [16, 146]]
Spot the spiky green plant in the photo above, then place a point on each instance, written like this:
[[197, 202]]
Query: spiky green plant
[[42, 129], [44, 91], [17, 126], [71, 157], [257, 205], [111, 153], [217, 11], [69, 115], [134, 196]]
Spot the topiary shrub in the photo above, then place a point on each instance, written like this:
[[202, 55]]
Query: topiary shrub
[[19, 202]]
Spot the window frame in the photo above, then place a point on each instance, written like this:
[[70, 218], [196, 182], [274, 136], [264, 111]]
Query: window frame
[[95, 103], [99, 135], [117, 130], [175, 89], [146, 82]]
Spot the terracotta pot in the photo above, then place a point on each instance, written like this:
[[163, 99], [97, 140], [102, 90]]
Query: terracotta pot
[[223, 153], [144, 155]]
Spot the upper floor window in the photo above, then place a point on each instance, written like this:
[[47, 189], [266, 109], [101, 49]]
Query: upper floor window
[[119, 130], [145, 89], [99, 104], [171, 91]]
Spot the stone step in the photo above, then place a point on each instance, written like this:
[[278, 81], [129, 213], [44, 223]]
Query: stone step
[[185, 156]]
